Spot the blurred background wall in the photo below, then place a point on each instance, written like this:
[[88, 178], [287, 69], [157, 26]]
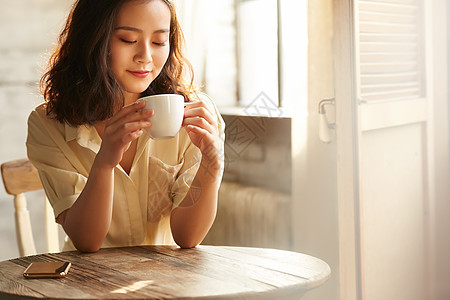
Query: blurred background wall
[[28, 30]]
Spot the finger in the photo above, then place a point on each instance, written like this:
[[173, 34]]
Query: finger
[[132, 136], [201, 112], [136, 106], [131, 117], [131, 127], [137, 133], [141, 115], [203, 140], [119, 133], [193, 104], [201, 123], [196, 134], [126, 140], [201, 108]]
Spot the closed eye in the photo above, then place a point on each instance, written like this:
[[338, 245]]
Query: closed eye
[[160, 44], [127, 41]]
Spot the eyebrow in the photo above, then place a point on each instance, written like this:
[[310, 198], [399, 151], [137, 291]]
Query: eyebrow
[[140, 30]]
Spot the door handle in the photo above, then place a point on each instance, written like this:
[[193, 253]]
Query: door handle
[[324, 126]]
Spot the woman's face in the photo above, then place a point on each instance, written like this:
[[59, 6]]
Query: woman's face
[[139, 45]]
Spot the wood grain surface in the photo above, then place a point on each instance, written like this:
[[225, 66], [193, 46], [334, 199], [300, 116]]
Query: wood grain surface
[[20, 176], [168, 272]]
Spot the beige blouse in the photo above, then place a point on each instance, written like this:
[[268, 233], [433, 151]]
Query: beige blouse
[[160, 176]]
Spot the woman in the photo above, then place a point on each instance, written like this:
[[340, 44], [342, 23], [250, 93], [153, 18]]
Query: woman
[[109, 184]]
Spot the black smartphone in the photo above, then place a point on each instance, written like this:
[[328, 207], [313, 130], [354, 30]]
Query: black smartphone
[[54, 269]]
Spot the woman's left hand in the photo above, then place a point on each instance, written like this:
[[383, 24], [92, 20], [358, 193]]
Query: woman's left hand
[[191, 220], [202, 128]]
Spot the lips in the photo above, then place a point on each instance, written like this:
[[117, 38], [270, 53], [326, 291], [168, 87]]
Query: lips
[[139, 73]]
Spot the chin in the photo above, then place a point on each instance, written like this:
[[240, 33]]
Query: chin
[[137, 90]]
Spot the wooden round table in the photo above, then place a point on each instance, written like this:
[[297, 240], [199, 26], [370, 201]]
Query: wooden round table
[[168, 272]]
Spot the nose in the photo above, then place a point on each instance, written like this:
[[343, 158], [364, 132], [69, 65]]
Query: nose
[[144, 54]]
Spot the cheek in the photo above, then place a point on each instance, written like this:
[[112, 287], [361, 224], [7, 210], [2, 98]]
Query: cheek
[[113, 62], [162, 58], [117, 58]]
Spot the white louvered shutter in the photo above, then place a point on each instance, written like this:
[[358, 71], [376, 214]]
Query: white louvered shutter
[[390, 61], [390, 50]]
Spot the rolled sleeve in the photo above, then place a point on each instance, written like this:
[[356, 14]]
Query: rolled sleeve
[[61, 187], [61, 181]]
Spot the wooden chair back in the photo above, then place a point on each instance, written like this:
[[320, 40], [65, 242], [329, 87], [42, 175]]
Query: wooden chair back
[[20, 177]]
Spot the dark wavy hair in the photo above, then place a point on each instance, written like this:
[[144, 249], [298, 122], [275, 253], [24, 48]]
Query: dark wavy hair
[[80, 87]]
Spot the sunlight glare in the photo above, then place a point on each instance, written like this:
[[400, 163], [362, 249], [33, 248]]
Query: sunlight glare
[[133, 287]]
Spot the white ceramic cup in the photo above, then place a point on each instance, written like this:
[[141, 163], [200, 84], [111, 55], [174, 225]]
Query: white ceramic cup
[[168, 115]]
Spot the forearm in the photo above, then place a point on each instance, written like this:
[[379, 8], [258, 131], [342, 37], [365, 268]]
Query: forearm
[[192, 219], [87, 221]]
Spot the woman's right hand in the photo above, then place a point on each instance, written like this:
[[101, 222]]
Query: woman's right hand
[[88, 220], [120, 131]]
